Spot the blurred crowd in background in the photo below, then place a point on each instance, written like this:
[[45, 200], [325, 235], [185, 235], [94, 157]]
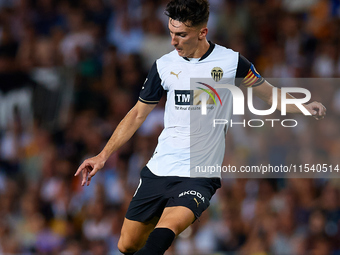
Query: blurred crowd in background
[[71, 69]]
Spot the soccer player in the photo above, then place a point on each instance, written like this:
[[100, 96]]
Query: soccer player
[[168, 198]]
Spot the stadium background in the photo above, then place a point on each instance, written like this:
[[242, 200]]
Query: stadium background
[[70, 71]]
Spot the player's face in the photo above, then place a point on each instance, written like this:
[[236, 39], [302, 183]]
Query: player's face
[[185, 39]]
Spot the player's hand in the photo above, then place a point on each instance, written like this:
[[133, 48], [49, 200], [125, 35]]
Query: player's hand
[[89, 168], [317, 110]]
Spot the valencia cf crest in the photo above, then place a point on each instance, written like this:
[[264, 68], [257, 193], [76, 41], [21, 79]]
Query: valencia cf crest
[[217, 73]]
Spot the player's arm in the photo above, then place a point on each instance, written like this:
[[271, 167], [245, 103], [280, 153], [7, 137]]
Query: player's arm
[[149, 96], [265, 92], [124, 131], [248, 76], [127, 127]]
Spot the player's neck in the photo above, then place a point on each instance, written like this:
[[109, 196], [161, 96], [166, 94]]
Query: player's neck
[[202, 48]]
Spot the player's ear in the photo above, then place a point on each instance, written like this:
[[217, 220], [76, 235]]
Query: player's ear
[[203, 33]]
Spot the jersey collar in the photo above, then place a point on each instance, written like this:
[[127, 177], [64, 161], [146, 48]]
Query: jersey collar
[[211, 48]]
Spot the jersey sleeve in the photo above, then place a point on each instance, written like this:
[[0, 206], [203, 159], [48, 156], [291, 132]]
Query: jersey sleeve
[[152, 90], [246, 74]]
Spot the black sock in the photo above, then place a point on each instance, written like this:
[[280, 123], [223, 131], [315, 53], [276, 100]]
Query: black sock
[[158, 242]]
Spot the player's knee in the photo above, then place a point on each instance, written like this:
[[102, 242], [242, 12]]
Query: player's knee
[[126, 249], [126, 246]]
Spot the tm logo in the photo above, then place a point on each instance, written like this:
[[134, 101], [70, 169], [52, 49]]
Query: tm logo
[[198, 97]]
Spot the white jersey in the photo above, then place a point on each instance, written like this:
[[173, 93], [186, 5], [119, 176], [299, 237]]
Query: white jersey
[[189, 140]]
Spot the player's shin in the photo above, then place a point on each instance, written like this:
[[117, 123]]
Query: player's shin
[[158, 242]]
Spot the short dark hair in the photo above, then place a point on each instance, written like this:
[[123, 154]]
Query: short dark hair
[[190, 12]]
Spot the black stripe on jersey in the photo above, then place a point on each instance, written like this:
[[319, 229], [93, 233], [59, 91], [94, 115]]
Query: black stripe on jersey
[[152, 90], [211, 48], [243, 68]]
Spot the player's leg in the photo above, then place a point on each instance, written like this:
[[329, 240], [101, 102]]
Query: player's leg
[[188, 198], [143, 213], [134, 235], [176, 218], [172, 222]]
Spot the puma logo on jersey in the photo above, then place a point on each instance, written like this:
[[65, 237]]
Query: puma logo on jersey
[[198, 203], [175, 74]]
